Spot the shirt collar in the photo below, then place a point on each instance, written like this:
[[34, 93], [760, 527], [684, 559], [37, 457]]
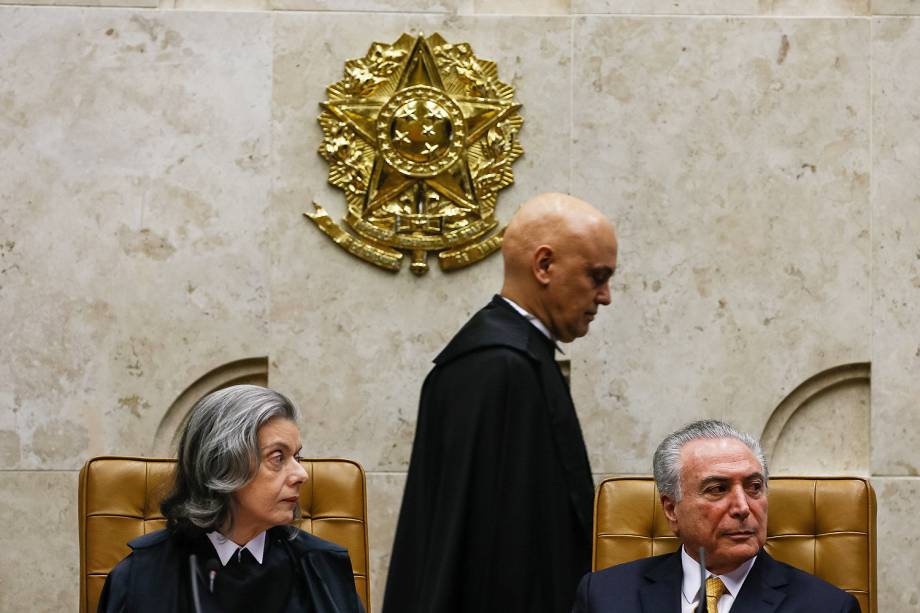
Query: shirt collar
[[226, 548], [539, 325], [691, 586]]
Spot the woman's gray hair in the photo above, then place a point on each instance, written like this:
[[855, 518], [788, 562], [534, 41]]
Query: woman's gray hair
[[667, 464], [219, 453]]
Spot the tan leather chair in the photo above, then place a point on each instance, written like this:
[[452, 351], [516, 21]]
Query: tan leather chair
[[120, 500], [822, 525]]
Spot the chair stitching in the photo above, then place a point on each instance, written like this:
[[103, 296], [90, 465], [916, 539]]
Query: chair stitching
[[312, 488], [814, 546], [114, 515], [146, 490]]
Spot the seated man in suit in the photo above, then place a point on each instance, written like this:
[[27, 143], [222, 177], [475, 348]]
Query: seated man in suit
[[713, 485]]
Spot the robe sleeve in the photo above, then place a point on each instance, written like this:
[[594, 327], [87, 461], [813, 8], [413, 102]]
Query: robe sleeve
[[114, 597], [852, 605], [331, 584]]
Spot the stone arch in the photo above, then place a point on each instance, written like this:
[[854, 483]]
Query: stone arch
[[822, 426], [249, 370]]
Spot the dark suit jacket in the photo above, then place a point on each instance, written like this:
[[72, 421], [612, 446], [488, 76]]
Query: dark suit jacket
[[652, 585], [154, 578]]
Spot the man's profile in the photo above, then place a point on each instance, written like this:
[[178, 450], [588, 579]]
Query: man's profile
[[712, 480], [496, 514]]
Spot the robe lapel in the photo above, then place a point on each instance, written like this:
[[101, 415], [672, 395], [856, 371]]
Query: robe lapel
[[315, 567], [661, 591], [761, 592], [567, 434]]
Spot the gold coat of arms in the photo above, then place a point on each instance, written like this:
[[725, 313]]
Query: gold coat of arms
[[420, 135]]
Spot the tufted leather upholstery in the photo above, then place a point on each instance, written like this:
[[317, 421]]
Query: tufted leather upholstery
[[822, 525], [120, 500]]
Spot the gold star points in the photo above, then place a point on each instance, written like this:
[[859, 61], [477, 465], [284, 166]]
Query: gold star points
[[424, 115]]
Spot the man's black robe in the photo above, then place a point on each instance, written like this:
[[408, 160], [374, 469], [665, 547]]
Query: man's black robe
[[496, 514]]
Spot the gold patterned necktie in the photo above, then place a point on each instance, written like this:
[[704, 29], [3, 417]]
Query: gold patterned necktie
[[714, 590]]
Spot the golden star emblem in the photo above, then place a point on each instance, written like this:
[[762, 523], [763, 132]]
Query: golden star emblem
[[420, 135]]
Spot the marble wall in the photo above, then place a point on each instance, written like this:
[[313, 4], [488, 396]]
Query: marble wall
[[757, 155]]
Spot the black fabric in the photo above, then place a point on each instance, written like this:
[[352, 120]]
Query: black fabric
[[653, 585], [244, 585], [154, 577], [496, 515]]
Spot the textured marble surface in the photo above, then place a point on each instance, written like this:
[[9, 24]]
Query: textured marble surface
[[785, 8], [88, 3], [828, 435], [389, 6], [896, 7], [217, 5], [38, 512], [818, 8], [898, 543], [132, 202], [734, 155], [667, 7], [896, 252], [350, 342], [522, 7], [822, 8], [384, 496]]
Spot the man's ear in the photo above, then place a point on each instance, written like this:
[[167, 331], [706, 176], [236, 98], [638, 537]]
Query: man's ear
[[542, 260], [669, 507]]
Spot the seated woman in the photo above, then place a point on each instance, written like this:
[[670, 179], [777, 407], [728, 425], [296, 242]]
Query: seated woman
[[236, 490]]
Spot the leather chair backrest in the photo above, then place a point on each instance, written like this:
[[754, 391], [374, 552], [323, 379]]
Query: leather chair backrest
[[822, 525], [120, 500]]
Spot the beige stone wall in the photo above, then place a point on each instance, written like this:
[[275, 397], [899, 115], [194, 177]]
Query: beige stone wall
[[759, 157]]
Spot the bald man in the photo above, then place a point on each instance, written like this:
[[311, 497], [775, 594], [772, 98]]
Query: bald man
[[496, 515]]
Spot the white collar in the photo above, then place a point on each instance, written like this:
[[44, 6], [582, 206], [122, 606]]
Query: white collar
[[226, 548], [539, 325], [733, 580]]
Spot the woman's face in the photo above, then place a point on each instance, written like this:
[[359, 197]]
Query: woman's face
[[270, 497]]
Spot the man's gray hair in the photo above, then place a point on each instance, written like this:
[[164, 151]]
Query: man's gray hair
[[219, 453], [667, 464]]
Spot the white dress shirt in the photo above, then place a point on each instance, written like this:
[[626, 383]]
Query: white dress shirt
[[691, 585], [226, 548], [539, 325]]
